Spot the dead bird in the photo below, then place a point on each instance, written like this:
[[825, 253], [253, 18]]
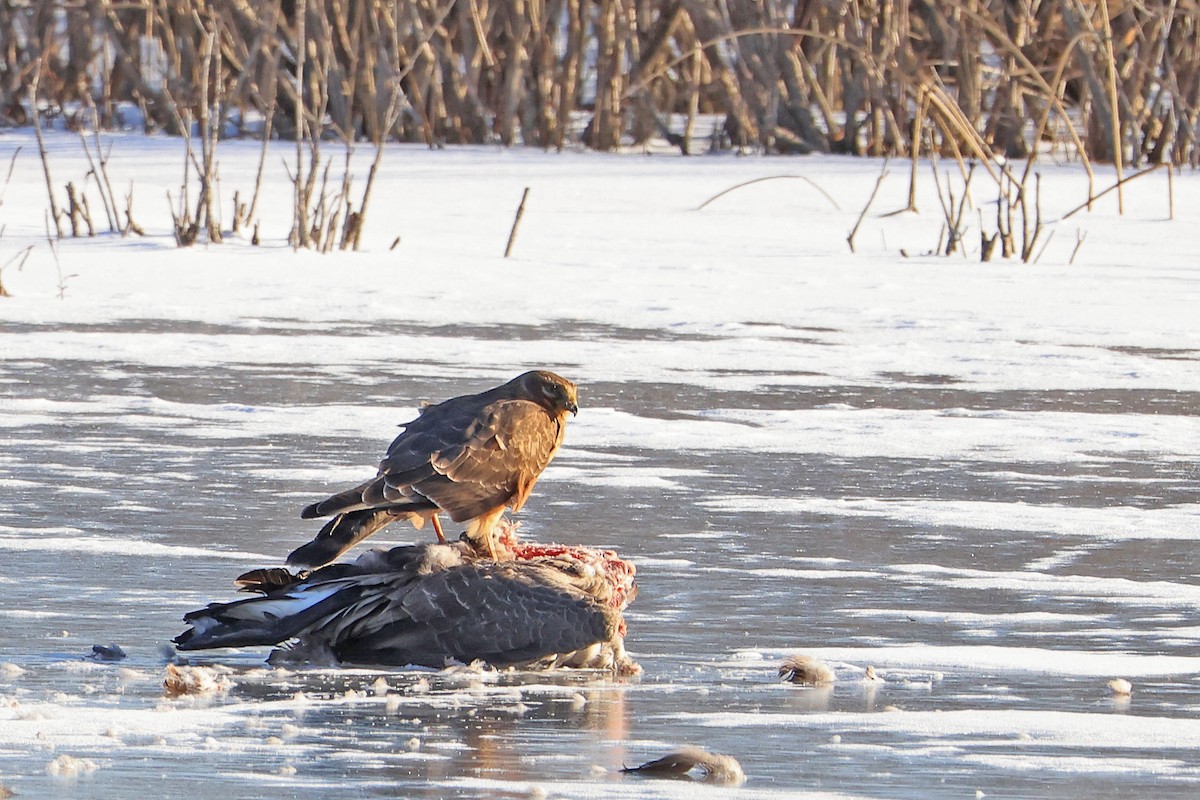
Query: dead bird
[[543, 605], [805, 670], [687, 761]]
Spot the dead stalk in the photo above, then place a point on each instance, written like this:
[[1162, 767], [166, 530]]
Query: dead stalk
[[1080, 237], [804, 178], [1093, 197], [53, 243], [862, 214], [37, 131], [1170, 192], [12, 164], [23, 255], [1118, 139], [512, 234]]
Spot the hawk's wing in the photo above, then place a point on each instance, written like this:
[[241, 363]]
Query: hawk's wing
[[467, 459], [469, 456]]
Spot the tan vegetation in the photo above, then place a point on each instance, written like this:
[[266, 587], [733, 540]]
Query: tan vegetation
[[1110, 79]]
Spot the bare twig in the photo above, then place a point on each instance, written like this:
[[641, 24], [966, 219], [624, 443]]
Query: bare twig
[[512, 234], [302, 238], [130, 225], [804, 178], [1080, 237], [1118, 139], [952, 211], [1098, 195], [12, 163], [1170, 191], [37, 130], [101, 176], [53, 243], [1042, 249], [1031, 229], [23, 255], [878, 182]]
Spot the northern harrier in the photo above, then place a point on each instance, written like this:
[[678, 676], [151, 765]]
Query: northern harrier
[[433, 604], [469, 456]]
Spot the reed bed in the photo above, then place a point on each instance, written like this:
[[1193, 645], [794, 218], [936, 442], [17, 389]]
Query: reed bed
[[1106, 80]]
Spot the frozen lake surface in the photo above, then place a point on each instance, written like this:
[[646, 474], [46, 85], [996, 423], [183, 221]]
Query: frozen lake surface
[[979, 479]]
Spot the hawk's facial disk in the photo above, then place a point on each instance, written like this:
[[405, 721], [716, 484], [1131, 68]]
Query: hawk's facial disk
[[561, 394]]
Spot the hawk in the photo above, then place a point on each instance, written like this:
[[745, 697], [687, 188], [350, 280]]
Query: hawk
[[470, 456], [433, 605]]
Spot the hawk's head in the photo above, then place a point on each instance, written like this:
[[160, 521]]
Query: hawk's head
[[553, 392]]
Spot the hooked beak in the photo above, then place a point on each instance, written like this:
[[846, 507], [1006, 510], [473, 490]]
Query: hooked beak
[[574, 409]]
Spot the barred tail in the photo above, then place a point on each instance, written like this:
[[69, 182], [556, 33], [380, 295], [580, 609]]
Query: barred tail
[[346, 530]]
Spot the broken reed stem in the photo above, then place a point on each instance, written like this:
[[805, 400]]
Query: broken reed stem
[[987, 244], [12, 164], [23, 255], [268, 119], [130, 225], [804, 178], [1030, 236], [512, 235], [53, 244], [301, 208], [1170, 191], [106, 192], [37, 131], [915, 147], [1118, 144], [1042, 249], [854, 231], [95, 175], [1080, 237], [1093, 197]]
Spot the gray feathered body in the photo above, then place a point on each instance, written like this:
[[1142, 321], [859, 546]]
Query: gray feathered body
[[430, 605]]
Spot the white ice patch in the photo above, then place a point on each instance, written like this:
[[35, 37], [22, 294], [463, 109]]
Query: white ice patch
[[1113, 523], [1066, 729], [992, 658], [44, 541], [985, 436]]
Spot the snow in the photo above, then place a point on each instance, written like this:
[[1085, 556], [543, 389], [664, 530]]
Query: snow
[[978, 478]]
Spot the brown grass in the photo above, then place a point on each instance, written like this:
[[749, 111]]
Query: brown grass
[[963, 78]]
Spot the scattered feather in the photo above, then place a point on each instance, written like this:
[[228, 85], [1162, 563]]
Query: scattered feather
[[70, 767], [805, 670], [688, 761], [183, 680], [1120, 686]]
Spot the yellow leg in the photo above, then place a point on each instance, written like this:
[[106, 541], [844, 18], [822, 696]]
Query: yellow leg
[[491, 544], [437, 528], [482, 532]]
